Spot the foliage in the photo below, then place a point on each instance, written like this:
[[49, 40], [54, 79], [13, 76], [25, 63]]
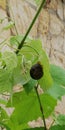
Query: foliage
[[58, 74], [37, 1], [15, 70], [9, 25], [33, 106], [57, 127], [60, 119]]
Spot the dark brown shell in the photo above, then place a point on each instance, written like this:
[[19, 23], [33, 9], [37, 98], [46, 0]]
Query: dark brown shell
[[36, 71]]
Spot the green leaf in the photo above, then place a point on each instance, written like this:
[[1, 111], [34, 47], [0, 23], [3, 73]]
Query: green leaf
[[36, 128], [46, 81], [5, 81], [4, 125], [21, 75], [58, 74], [3, 101], [56, 91], [9, 25], [23, 126], [30, 85], [27, 56], [60, 119], [35, 46], [3, 115], [37, 2], [27, 106], [16, 126], [57, 127], [16, 40], [30, 51], [10, 60], [1, 21]]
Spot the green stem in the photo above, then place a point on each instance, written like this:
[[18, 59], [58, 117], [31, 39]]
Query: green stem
[[41, 108], [31, 25]]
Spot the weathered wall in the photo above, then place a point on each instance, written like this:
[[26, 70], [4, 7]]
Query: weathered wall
[[54, 36], [50, 25]]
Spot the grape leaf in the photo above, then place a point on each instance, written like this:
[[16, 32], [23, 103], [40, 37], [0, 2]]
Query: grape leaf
[[5, 81], [4, 125], [30, 85], [16, 40], [60, 119], [46, 81], [31, 50], [37, 2], [3, 115], [36, 128], [58, 74], [27, 106], [56, 91], [20, 77], [9, 25], [57, 127], [1, 21], [21, 73], [26, 58], [3, 101], [16, 126], [36, 47], [10, 60]]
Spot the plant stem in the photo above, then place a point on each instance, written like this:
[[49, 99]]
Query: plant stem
[[31, 25], [41, 108]]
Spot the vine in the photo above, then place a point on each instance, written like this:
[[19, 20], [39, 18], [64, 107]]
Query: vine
[[29, 29]]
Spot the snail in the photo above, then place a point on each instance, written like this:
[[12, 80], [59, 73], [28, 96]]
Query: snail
[[36, 71]]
